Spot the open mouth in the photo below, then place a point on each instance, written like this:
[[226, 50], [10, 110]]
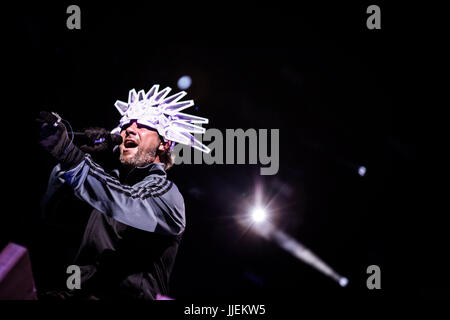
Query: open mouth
[[130, 144]]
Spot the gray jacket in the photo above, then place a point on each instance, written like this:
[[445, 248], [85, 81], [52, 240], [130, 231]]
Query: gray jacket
[[132, 236]]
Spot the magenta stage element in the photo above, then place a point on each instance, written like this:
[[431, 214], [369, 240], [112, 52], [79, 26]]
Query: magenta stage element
[[163, 297], [16, 278]]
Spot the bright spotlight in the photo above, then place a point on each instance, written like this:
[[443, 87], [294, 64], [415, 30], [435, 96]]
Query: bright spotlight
[[362, 171], [184, 82], [259, 215], [258, 219], [343, 281]]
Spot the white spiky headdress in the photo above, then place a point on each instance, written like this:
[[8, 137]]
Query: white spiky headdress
[[163, 114]]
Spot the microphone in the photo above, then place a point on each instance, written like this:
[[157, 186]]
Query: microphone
[[115, 138]]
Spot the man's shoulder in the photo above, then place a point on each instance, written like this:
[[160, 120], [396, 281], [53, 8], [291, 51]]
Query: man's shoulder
[[161, 186]]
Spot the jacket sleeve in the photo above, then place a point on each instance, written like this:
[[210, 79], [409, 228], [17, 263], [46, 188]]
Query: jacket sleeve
[[55, 190], [153, 205]]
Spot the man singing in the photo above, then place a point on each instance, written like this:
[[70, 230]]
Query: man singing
[[138, 216]]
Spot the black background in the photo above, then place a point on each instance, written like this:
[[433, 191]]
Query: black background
[[341, 95]]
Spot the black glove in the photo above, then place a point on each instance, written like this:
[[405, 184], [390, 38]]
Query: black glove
[[53, 138], [104, 153]]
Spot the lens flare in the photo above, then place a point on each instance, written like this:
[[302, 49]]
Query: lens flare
[[259, 215]]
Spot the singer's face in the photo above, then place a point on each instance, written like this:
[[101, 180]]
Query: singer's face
[[139, 146]]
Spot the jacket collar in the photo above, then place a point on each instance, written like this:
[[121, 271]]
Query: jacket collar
[[140, 173]]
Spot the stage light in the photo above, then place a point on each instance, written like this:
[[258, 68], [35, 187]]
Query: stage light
[[343, 281], [255, 217], [362, 171], [259, 215], [184, 82]]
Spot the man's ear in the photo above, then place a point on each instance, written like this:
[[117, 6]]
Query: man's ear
[[164, 145]]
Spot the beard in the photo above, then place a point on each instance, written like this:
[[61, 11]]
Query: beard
[[142, 158]]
